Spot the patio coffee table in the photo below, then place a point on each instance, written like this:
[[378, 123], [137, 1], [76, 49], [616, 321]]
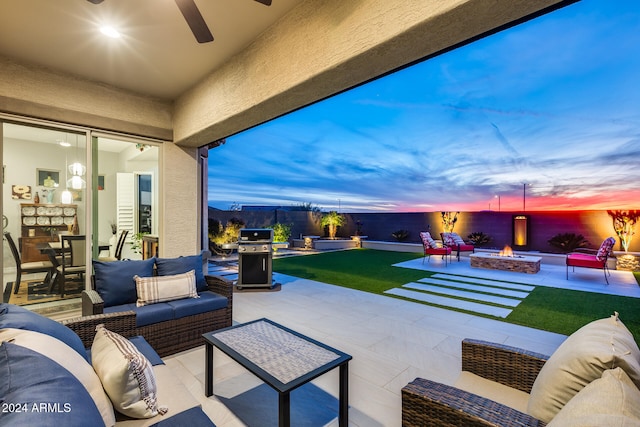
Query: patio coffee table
[[282, 358]]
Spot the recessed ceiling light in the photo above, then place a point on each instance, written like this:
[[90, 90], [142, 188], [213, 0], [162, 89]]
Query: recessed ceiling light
[[109, 31], [64, 143]]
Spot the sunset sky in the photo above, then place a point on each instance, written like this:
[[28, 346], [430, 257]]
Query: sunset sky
[[549, 109]]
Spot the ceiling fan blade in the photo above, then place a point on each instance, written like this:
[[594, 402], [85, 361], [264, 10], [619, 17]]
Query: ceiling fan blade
[[195, 20], [265, 2], [95, 1]]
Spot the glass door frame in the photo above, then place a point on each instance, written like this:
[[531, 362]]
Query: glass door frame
[[90, 159]]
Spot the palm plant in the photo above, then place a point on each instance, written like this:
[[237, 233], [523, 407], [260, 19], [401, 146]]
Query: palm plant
[[333, 220], [568, 242], [478, 238]]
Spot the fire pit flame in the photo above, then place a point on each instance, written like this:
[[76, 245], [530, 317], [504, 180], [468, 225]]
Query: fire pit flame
[[506, 251]]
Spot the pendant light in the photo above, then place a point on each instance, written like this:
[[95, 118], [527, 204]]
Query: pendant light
[[66, 197], [77, 171]]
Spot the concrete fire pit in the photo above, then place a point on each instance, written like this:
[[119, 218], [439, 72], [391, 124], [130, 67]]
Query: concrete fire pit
[[517, 263]]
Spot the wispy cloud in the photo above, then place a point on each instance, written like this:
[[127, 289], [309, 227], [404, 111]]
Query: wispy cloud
[[552, 104]]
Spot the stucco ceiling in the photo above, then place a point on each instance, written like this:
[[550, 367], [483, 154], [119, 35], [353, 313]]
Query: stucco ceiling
[[157, 54]]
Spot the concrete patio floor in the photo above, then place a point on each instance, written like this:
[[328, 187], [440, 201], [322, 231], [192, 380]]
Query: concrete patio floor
[[582, 279], [392, 341]]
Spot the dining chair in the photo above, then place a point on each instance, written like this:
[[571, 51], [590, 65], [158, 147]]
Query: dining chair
[[27, 267], [119, 247], [73, 264]]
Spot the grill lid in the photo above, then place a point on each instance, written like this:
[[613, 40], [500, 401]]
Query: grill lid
[[255, 235]]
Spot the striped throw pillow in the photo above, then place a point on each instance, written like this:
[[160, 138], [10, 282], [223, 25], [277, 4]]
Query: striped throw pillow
[[152, 290], [126, 375]]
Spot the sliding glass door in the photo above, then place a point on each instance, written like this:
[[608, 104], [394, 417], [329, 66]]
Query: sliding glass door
[[60, 181]]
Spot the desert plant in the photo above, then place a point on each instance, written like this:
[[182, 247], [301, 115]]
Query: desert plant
[[449, 220], [218, 236], [567, 242], [400, 235], [478, 238], [333, 220], [306, 206], [281, 232], [624, 223]]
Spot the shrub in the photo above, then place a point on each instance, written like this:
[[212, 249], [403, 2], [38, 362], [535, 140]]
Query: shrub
[[567, 242], [400, 235], [219, 236], [478, 238], [281, 232]]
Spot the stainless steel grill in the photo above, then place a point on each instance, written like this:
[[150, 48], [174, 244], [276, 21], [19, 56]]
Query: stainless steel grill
[[255, 258]]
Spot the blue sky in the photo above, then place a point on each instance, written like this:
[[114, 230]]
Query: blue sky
[[548, 111]]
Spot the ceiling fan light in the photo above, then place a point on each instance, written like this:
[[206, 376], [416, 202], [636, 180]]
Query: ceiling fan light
[[109, 31]]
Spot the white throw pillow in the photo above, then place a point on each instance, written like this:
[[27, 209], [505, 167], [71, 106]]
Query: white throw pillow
[[612, 400], [155, 289], [580, 359], [126, 375], [69, 359]]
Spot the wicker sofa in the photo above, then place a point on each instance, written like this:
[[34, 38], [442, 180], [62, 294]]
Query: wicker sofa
[[49, 378], [169, 327], [591, 379]]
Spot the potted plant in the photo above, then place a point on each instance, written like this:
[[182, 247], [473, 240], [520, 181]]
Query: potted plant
[[332, 220]]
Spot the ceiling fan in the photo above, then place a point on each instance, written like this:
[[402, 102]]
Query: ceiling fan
[[194, 18]]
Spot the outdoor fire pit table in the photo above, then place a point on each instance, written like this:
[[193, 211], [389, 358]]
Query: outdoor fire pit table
[[280, 357], [517, 263]]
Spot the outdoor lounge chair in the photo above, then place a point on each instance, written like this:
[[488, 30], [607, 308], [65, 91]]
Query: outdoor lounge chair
[[456, 243], [590, 258], [431, 247], [501, 385]]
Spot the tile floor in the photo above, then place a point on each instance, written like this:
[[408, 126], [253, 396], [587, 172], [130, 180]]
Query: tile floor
[[392, 341]]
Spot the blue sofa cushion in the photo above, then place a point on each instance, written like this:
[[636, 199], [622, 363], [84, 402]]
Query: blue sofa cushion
[[183, 264], [145, 348], [194, 417], [39, 392], [208, 301], [13, 316], [114, 279], [147, 314]]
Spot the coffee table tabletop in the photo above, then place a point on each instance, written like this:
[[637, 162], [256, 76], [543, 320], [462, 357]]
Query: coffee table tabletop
[[281, 357]]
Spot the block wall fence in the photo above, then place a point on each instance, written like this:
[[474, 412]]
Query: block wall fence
[[594, 225]]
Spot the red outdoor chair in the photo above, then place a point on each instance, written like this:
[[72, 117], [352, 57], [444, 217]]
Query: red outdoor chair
[[455, 242], [431, 247], [590, 258]]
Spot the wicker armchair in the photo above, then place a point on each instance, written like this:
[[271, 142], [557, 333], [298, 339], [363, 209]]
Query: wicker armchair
[[428, 403]]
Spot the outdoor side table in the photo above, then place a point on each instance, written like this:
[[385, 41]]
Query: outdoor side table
[[282, 358]]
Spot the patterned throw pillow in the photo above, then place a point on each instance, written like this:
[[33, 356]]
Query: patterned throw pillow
[[605, 248], [126, 375], [448, 239], [152, 290], [427, 240], [457, 239]]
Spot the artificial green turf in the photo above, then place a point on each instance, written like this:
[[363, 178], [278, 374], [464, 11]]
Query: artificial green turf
[[555, 310]]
